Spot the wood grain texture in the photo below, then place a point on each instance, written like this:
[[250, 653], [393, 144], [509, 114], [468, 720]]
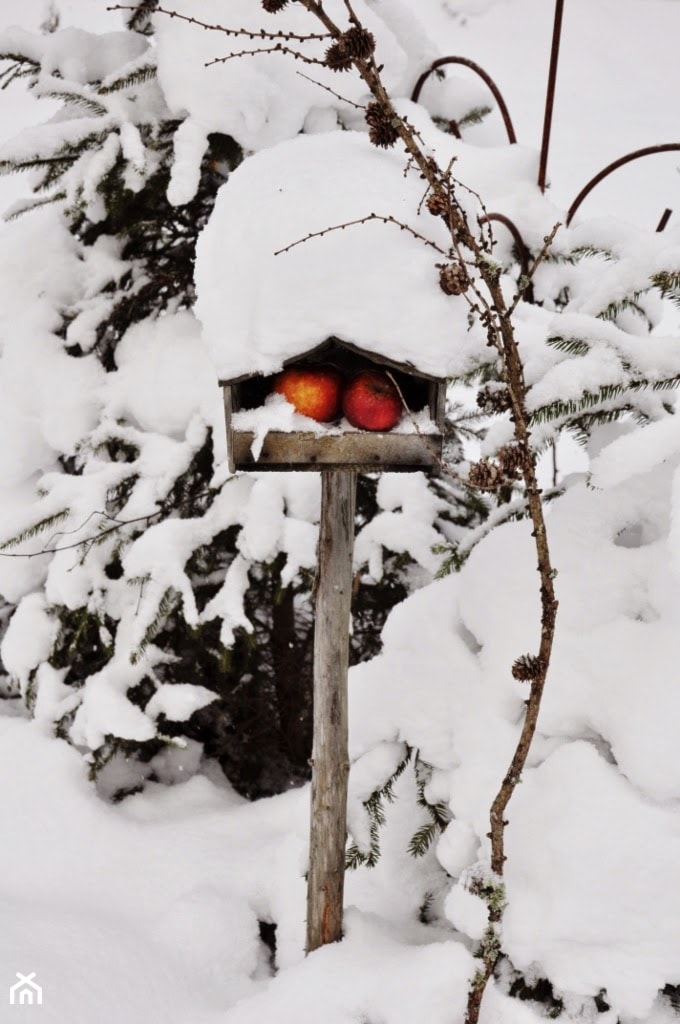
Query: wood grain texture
[[227, 396], [365, 452], [330, 758]]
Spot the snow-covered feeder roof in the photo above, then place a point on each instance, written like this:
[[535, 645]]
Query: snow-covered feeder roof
[[369, 285], [330, 350]]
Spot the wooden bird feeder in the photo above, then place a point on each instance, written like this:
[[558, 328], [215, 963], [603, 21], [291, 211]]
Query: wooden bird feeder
[[399, 450], [339, 455]]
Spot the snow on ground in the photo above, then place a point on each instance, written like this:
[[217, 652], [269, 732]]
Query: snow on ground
[[143, 912], [160, 896]]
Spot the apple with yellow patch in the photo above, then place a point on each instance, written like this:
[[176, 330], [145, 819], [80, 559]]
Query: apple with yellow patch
[[313, 390]]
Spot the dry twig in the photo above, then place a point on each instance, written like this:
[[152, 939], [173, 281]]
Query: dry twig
[[343, 99], [87, 542], [277, 48], [245, 33], [363, 220]]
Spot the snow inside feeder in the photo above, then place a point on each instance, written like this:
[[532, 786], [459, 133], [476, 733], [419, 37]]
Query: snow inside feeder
[[265, 432]]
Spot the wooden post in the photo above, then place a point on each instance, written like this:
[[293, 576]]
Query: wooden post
[[330, 759]]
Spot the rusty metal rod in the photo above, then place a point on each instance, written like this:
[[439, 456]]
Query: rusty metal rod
[[498, 96], [665, 217], [550, 93], [666, 147], [522, 249]]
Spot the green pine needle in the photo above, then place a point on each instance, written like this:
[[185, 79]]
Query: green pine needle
[[75, 99], [166, 605], [143, 74], [356, 857], [573, 346], [33, 204], [474, 116], [36, 529]]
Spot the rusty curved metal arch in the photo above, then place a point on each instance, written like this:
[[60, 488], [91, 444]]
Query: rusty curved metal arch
[[522, 248], [484, 75], [637, 154]]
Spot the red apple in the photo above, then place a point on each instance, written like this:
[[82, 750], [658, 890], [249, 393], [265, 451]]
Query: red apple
[[313, 390], [371, 401]]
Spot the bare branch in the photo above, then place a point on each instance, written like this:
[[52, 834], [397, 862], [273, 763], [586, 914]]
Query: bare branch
[[86, 541], [547, 243], [444, 466], [343, 99], [496, 317], [277, 48], [318, 11], [352, 16], [364, 220], [77, 529], [245, 33]]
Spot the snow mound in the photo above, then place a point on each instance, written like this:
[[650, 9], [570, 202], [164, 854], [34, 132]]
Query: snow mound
[[357, 284]]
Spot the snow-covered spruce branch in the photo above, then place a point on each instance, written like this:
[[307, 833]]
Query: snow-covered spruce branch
[[86, 542]]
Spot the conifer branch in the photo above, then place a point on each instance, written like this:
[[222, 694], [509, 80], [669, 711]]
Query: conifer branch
[[587, 403], [88, 542], [423, 838], [138, 21], [26, 206], [142, 74], [58, 163], [165, 606], [375, 809], [33, 531], [20, 67], [76, 100]]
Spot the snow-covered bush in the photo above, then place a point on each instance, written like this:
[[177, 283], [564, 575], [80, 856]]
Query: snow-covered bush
[[174, 604]]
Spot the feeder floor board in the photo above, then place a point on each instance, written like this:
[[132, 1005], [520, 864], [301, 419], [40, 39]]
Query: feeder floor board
[[363, 451]]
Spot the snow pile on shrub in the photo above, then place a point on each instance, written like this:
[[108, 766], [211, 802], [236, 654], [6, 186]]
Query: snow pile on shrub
[[266, 98], [358, 283], [593, 842]]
